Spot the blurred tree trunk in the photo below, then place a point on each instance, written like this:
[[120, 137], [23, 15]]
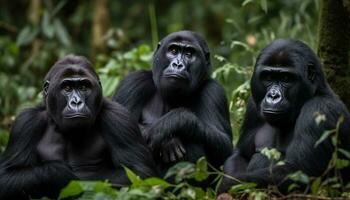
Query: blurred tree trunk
[[99, 26], [34, 15], [334, 45]]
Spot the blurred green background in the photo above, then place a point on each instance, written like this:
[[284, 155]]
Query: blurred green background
[[119, 37]]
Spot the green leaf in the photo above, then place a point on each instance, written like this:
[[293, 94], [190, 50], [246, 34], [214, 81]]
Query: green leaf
[[132, 176], [341, 163], [26, 36], [72, 189], [61, 33], [300, 177], [202, 164], [153, 181], [344, 152], [109, 84], [105, 187], [241, 187], [263, 4], [246, 2], [239, 43], [46, 26], [323, 137], [258, 195], [202, 169], [181, 170], [315, 185], [272, 154]]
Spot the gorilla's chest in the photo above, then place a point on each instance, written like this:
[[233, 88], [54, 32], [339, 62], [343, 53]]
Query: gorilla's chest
[[88, 156], [152, 111], [272, 137], [85, 155]]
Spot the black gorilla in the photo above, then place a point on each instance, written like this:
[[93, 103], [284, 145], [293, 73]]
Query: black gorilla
[[74, 134], [288, 89], [182, 112]]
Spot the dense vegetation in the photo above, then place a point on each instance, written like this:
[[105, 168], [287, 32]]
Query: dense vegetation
[[119, 37]]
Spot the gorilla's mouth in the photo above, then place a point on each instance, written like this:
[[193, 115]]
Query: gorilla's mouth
[[273, 112], [176, 76], [76, 115]]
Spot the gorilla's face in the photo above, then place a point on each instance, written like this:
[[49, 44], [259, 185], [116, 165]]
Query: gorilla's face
[[282, 82], [73, 96], [181, 63]]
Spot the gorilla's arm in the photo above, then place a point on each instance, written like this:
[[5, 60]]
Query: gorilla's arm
[[125, 141], [21, 171], [134, 91], [207, 123]]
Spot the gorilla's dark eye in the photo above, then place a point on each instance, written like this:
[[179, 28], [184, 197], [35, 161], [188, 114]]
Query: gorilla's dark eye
[[286, 78], [82, 87], [173, 50], [266, 77], [188, 54], [67, 88]]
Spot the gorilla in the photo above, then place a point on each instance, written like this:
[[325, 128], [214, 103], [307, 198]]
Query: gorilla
[[288, 90], [74, 134], [182, 112]]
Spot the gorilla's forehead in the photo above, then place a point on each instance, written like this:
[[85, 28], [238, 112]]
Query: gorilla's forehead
[[183, 40], [73, 70], [278, 58], [183, 37]]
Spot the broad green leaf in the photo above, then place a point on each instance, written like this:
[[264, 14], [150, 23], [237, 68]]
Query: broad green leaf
[[109, 84], [272, 154], [315, 185], [46, 25], [263, 4], [299, 176], [72, 189], [241, 187], [132, 176], [202, 164], [181, 171], [341, 163], [153, 181], [61, 33], [202, 169], [26, 36]]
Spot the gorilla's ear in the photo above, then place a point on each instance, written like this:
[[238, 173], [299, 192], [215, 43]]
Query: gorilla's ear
[[311, 72], [159, 44], [46, 87], [207, 58]]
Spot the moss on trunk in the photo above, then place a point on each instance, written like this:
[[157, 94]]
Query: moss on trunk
[[334, 46]]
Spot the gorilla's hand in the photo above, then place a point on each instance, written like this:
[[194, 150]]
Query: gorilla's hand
[[172, 150]]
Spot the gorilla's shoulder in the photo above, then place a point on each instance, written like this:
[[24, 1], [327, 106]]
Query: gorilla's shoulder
[[213, 87], [139, 76]]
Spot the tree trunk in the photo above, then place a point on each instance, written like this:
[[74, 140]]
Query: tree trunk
[[99, 26], [334, 46], [347, 5]]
